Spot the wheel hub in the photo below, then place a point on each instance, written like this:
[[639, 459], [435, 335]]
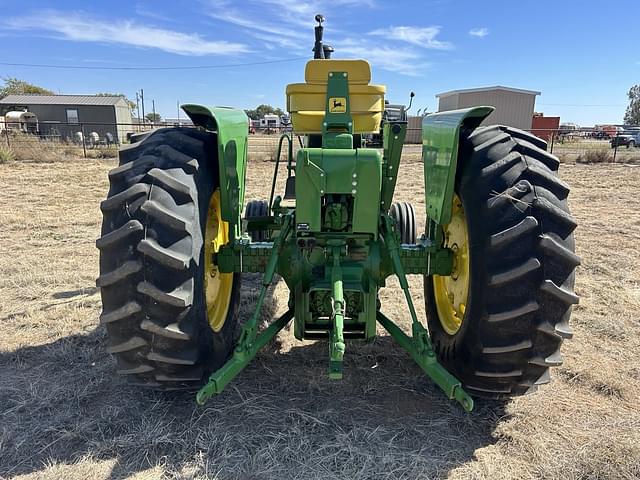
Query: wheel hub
[[451, 291], [217, 285]]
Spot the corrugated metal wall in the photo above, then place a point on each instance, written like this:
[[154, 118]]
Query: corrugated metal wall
[[53, 119], [123, 116], [450, 102], [414, 130], [511, 108], [101, 119]]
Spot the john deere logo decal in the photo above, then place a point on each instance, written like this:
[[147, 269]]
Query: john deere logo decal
[[337, 105]]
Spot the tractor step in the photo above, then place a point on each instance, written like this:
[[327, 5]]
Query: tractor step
[[290, 188]]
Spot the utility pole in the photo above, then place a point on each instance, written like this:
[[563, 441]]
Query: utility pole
[[153, 106], [142, 101], [178, 106], [138, 109]]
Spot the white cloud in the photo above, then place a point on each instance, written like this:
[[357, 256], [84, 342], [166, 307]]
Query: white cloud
[[282, 22], [243, 19], [258, 25], [290, 44], [303, 12], [142, 11], [424, 37], [480, 32], [290, 25], [83, 28], [403, 62]]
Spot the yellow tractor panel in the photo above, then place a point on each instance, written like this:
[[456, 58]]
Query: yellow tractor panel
[[306, 101], [316, 71]]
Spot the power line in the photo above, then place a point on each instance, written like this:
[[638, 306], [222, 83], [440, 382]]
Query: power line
[[581, 105], [187, 67]]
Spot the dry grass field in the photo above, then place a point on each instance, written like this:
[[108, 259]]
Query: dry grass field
[[65, 415]]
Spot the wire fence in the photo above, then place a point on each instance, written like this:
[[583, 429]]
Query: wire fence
[[100, 140], [591, 145]]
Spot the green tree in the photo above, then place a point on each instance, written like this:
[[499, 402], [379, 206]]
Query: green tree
[[261, 110], [632, 115], [132, 105], [14, 86], [153, 117]]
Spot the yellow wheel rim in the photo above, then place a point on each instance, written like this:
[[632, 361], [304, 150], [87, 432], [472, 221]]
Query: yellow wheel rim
[[451, 292], [217, 286]]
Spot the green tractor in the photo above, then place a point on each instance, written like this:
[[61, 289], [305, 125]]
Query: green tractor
[[497, 255]]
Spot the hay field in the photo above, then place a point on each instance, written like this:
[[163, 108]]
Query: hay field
[[64, 415]]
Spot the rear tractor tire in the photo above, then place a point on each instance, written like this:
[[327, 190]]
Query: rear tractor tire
[[498, 321], [170, 315]]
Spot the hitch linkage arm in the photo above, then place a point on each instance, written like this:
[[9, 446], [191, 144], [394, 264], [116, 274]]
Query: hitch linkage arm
[[337, 346], [419, 344], [250, 342]]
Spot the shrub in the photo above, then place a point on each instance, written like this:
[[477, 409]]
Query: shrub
[[102, 153], [6, 154], [602, 155]]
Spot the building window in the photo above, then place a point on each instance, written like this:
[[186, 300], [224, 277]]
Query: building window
[[72, 116]]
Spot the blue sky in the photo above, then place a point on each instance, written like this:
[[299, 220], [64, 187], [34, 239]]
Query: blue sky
[[582, 56]]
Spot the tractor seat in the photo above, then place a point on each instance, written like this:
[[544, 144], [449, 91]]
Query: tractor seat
[[306, 101]]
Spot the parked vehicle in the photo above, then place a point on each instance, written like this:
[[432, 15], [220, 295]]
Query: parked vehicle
[[568, 129], [629, 139], [254, 125], [606, 131], [270, 122], [25, 122]]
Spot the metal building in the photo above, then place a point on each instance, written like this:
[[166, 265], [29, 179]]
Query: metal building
[[414, 130], [65, 115], [513, 106]]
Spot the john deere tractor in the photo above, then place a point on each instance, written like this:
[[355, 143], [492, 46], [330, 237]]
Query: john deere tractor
[[497, 254]]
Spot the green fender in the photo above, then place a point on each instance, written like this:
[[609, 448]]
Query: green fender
[[440, 138], [231, 126]]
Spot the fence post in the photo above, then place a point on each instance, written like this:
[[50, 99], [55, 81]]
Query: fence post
[[553, 136], [6, 134], [84, 144], [615, 148]]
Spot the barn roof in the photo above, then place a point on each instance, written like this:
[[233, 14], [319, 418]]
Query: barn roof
[[60, 100], [488, 89]]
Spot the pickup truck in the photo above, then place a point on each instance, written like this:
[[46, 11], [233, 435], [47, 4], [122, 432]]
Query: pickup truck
[[630, 138]]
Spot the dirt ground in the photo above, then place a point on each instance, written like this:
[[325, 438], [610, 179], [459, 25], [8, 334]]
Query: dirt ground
[[65, 415]]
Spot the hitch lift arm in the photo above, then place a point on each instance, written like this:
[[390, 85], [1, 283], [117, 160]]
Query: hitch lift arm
[[419, 344]]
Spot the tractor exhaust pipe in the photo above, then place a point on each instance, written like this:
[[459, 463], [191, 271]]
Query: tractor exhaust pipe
[[320, 51]]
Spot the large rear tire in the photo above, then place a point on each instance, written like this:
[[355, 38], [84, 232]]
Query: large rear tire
[[506, 321], [157, 223]]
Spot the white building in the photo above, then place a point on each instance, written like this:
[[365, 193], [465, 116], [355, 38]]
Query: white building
[[513, 106]]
